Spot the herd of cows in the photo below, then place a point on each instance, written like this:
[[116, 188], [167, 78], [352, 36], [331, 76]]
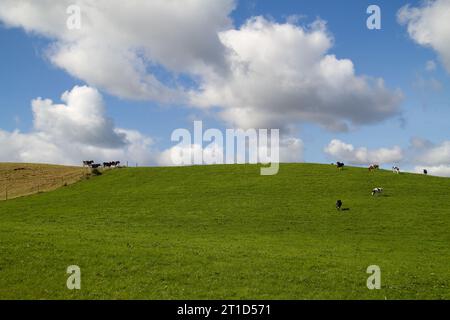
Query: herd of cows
[[372, 167], [339, 165], [91, 164]]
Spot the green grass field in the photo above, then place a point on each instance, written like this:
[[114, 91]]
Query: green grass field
[[225, 232]]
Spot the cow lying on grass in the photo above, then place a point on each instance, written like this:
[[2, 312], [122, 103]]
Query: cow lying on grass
[[377, 191]]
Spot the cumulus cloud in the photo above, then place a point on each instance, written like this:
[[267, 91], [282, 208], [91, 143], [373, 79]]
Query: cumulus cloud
[[262, 75], [76, 130], [342, 151], [427, 153], [186, 155], [81, 119], [282, 74], [429, 26], [424, 154], [440, 171], [290, 150], [122, 44], [79, 129]]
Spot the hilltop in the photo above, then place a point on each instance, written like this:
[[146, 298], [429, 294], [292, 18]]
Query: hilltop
[[225, 232]]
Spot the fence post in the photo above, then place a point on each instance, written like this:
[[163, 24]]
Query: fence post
[[6, 187]]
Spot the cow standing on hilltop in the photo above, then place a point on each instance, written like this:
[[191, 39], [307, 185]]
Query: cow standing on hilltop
[[111, 164], [88, 163]]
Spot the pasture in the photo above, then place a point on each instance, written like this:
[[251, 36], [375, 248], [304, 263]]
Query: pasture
[[225, 232]]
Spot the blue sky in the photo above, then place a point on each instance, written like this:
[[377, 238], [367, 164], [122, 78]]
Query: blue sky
[[390, 53]]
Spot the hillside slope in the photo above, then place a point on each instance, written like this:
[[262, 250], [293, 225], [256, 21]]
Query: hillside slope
[[226, 232], [21, 179]]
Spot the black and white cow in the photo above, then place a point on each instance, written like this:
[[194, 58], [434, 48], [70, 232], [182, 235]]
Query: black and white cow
[[339, 204], [396, 170], [87, 163], [340, 165], [377, 191], [111, 164]]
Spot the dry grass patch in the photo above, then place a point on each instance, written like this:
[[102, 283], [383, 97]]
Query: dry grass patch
[[21, 179]]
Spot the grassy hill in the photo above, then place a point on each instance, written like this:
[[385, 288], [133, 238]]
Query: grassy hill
[[20, 179], [227, 232]]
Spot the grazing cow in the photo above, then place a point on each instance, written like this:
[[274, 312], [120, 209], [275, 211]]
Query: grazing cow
[[425, 171], [107, 164], [95, 165], [111, 164], [340, 165], [88, 163], [374, 167], [396, 170], [377, 191], [339, 204]]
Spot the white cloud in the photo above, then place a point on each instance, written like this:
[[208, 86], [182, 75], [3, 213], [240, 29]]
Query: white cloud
[[342, 151], [429, 26], [441, 171], [431, 154], [290, 150], [262, 75], [79, 129], [282, 74], [75, 131], [435, 158], [122, 43], [81, 119], [175, 155]]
